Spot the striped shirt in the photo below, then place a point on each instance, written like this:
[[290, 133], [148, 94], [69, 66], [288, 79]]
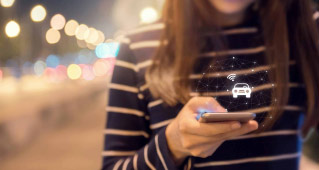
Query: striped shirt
[[136, 122]]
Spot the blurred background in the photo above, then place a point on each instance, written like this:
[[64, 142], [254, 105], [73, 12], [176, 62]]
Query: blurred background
[[56, 58]]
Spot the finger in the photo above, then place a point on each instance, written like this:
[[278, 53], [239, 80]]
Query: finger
[[196, 140], [192, 126], [246, 128], [206, 104]]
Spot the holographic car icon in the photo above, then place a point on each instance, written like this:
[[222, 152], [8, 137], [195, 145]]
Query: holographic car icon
[[241, 89]]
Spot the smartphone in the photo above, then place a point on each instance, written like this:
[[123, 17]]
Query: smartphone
[[226, 116]]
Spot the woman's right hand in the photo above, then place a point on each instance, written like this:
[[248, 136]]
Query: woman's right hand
[[188, 137]]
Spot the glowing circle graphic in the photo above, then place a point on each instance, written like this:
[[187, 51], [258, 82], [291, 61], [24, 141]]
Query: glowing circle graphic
[[238, 84]]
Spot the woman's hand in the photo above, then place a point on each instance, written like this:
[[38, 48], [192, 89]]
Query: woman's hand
[[188, 137]]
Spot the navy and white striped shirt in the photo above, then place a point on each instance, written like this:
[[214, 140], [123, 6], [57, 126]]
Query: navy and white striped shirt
[[135, 130]]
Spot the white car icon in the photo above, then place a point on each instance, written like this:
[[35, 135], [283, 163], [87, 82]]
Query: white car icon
[[241, 89]]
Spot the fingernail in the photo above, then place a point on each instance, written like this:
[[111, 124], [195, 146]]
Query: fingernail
[[236, 126], [254, 127], [221, 109]]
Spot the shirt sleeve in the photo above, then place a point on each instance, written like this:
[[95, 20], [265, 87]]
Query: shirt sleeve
[[128, 142]]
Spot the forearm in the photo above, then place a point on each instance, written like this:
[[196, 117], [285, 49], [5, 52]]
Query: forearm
[[154, 155]]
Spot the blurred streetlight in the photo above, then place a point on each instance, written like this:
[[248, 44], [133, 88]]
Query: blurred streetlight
[[101, 67], [92, 35], [39, 67], [38, 13], [57, 22], [107, 50], [148, 15], [74, 71], [7, 3], [100, 39], [87, 73], [53, 36], [12, 29], [80, 32], [70, 27]]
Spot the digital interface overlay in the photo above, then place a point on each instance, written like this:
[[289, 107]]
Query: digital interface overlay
[[238, 84]]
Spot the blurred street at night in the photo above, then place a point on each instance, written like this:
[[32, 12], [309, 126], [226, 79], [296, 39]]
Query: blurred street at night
[[71, 140], [55, 63], [56, 59]]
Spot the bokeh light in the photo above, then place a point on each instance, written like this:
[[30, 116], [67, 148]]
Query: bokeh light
[[57, 22], [101, 38], [53, 36], [107, 50], [87, 72], [82, 65], [51, 74], [148, 15], [92, 35], [52, 61], [1, 74], [38, 13], [12, 29], [39, 67], [70, 27], [7, 3], [61, 72], [80, 32], [74, 71], [101, 67], [90, 46]]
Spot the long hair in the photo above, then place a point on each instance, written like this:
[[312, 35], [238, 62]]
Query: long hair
[[288, 29]]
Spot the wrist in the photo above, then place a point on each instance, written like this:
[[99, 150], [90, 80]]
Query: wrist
[[174, 145]]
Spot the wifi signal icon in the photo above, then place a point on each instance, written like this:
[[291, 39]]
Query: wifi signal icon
[[231, 77]]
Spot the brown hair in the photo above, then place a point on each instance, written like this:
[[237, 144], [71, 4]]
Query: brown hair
[[288, 29]]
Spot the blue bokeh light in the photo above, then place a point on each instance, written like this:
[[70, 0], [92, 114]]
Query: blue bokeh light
[[107, 50], [52, 61], [27, 68]]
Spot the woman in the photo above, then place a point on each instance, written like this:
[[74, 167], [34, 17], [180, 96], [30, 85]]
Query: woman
[[155, 95]]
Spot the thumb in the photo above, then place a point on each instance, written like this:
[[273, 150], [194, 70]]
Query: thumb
[[205, 104]]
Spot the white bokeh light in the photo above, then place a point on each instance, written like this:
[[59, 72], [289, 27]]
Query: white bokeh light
[[12, 29], [70, 27], [80, 32], [58, 22], [7, 3], [53, 36], [148, 15], [38, 13]]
